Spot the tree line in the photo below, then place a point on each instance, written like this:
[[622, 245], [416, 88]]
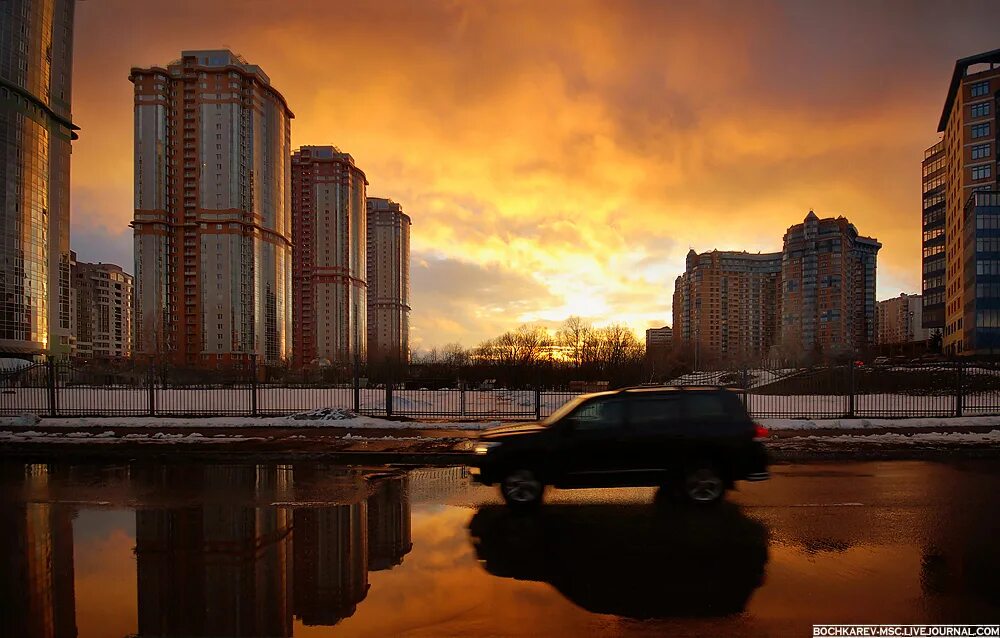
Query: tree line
[[533, 356]]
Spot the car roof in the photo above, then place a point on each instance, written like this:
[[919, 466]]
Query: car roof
[[672, 389], [660, 389]]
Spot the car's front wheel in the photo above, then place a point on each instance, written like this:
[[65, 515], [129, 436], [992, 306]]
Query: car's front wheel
[[704, 485], [522, 488]]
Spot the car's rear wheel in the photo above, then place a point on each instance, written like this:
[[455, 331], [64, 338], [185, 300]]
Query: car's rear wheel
[[704, 484], [522, 488]]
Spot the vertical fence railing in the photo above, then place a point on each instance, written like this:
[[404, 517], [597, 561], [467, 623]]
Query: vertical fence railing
[[939, 389]]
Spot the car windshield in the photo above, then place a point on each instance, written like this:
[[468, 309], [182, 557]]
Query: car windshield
[[566, 408]]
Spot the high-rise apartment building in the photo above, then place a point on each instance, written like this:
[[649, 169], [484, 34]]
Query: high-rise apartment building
[[103, 295], [966, 183], [659, 339], [828, 287], [933, 237], [213, 227], [36, 127], [329, 227], [725, 305], [388, 282], [899, 320]]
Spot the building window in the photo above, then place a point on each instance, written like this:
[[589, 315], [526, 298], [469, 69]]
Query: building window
[[981, 172], [981, 110], [980, 88], [980, 151], [980, 130]]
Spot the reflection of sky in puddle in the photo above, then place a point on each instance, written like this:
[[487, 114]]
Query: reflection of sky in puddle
[[912, 564]]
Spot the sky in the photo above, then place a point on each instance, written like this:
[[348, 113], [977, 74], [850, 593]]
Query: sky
[[561, 158]]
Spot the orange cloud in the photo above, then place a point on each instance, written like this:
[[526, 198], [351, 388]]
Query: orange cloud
[[577, 148]]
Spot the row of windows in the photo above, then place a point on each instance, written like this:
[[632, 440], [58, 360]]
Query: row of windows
[[980, 110], [987, 244], [934, 183], [979, 151], [980, 88], [987, 222], [933, 234], [982, 172], [933, 166], [988, 291], [934, 298], [933, 200], [980, 130], [933, 250], [988, 319], [933, 282], [988, 267]]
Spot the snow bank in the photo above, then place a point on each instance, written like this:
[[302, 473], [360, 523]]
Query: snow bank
[[870, 424], [360, 422], [896, 440], [109, 437]]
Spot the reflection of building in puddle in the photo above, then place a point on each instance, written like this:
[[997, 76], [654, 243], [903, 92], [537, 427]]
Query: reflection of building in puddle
[[37, 597], [437, 483], [389, 538], [220, 550], [213, 568], [330, 549]]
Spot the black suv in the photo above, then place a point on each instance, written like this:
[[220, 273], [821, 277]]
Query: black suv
[[694, 442]]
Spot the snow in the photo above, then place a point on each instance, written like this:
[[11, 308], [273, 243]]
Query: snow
[[898, 440], [360, 422], [102, 400], [109, 437], [868, 424]]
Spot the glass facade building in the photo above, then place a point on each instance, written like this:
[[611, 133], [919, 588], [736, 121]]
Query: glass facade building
[[36, 63], [330, 257], [388, 282], [213, 247], [960, 168], [933, 237]]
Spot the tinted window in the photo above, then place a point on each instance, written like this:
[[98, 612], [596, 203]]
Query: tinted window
[[706, 407], [655, 411], [598, 414]]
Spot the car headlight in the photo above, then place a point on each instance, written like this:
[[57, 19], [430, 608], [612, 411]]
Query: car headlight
[[484, 447]]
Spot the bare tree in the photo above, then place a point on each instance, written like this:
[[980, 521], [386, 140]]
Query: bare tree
[[573, 336]]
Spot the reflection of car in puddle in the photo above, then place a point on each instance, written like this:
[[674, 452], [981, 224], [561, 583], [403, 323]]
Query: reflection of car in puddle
[[634, 561]]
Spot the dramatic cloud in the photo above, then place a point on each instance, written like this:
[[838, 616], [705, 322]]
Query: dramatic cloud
[[570, 153]]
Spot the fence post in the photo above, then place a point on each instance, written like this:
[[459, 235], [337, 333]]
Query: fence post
[[388, 399], [253, 384], [151, 385], [958, 388], [461, 398], [851, 390], [538, 404], [53, 397], [357, 384], [745, 385]]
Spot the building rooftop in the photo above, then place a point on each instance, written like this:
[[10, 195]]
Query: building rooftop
[[961, 66]]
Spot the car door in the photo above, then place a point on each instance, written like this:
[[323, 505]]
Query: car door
[[593, 443], [657, 430], [707, 431]]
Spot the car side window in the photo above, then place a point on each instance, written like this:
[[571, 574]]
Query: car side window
[[705, 407], [600, 414], [662, 411]]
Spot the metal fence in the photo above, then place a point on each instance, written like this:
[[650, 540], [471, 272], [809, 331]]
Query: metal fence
[[57, 389], [944, 389]]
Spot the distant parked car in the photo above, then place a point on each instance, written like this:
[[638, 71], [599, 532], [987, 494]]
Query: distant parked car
[[880, 361], [694, 442]]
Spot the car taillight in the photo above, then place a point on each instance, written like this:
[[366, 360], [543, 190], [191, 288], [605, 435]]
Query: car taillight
[[760, 432]]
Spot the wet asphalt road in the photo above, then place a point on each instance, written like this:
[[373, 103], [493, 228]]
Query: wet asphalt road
[[310, 549]]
